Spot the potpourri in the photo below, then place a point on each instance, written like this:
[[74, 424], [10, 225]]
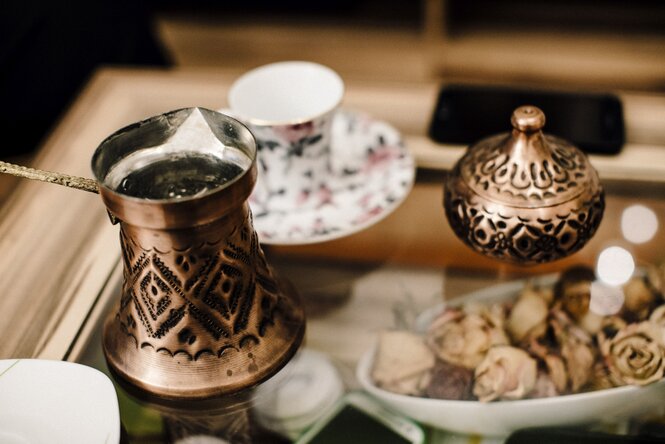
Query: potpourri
[[548, 341]]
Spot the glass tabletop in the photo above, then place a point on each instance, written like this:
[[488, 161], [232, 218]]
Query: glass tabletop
[[356, 289]]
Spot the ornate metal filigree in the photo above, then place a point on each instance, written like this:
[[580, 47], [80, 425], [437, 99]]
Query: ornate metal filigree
[[524, 197], [523, 236], [552, 178], [201, 314], [214, 308], [207, 300]]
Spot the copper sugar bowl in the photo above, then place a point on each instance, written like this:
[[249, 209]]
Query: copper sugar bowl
[[201, 313], [524, 197]]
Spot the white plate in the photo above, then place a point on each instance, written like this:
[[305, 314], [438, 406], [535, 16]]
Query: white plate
[[56, 402], [373, 174], [503, 417]]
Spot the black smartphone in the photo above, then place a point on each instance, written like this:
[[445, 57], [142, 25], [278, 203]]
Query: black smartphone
[[357, 418], [465, 114]]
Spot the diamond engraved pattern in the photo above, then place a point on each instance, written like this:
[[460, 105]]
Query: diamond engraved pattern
[[206, 302]]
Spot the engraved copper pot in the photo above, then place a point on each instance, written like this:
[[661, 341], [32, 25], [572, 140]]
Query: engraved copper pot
[[201, 313], [524, 197]]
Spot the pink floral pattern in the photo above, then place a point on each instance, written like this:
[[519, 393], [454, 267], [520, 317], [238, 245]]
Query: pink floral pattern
[[297, 132], [370, 173]]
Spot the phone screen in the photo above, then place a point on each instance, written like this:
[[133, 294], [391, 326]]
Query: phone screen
[[352, 425], [465, 114]]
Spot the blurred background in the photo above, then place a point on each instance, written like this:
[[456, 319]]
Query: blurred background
[[49, 51], [593, 43]]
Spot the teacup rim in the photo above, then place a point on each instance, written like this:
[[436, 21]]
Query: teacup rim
[[279, 123], [235, 113]]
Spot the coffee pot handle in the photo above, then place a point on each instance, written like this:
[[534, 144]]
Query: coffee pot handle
[[76, 182]]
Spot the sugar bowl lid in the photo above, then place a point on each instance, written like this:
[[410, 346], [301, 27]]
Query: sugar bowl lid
[[524, 196], [526, 168]]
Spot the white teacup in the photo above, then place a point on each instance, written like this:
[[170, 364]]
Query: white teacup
[[289, 107]]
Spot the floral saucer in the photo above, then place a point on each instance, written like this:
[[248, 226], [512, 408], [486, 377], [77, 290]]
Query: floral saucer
[[371, 174]]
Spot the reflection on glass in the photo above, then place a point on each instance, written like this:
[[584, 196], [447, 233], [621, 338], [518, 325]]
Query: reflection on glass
[[300, 394], [615, 266], [639, 224], [605, 300]]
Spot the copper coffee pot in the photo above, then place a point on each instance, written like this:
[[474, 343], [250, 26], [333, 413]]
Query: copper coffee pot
[[201, 313], [524, 197]]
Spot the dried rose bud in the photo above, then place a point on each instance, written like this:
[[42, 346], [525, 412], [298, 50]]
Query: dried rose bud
[[537, 348], [656, 278], [546, 293], [403, 363], [493, 314], [414, 385], [573, 290], [556, 369], [576, 299], [574, 346], [609, 328], [505, 373], [528, 316], [545, 387], [463, 338], [634, 355], [579, 359], [658, 316], [639, 299], [563, 327], [450, 381], [600, 377], [591, 322]]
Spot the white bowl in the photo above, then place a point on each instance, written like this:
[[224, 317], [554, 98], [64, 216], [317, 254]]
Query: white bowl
[[503, 417], [56, 402]]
